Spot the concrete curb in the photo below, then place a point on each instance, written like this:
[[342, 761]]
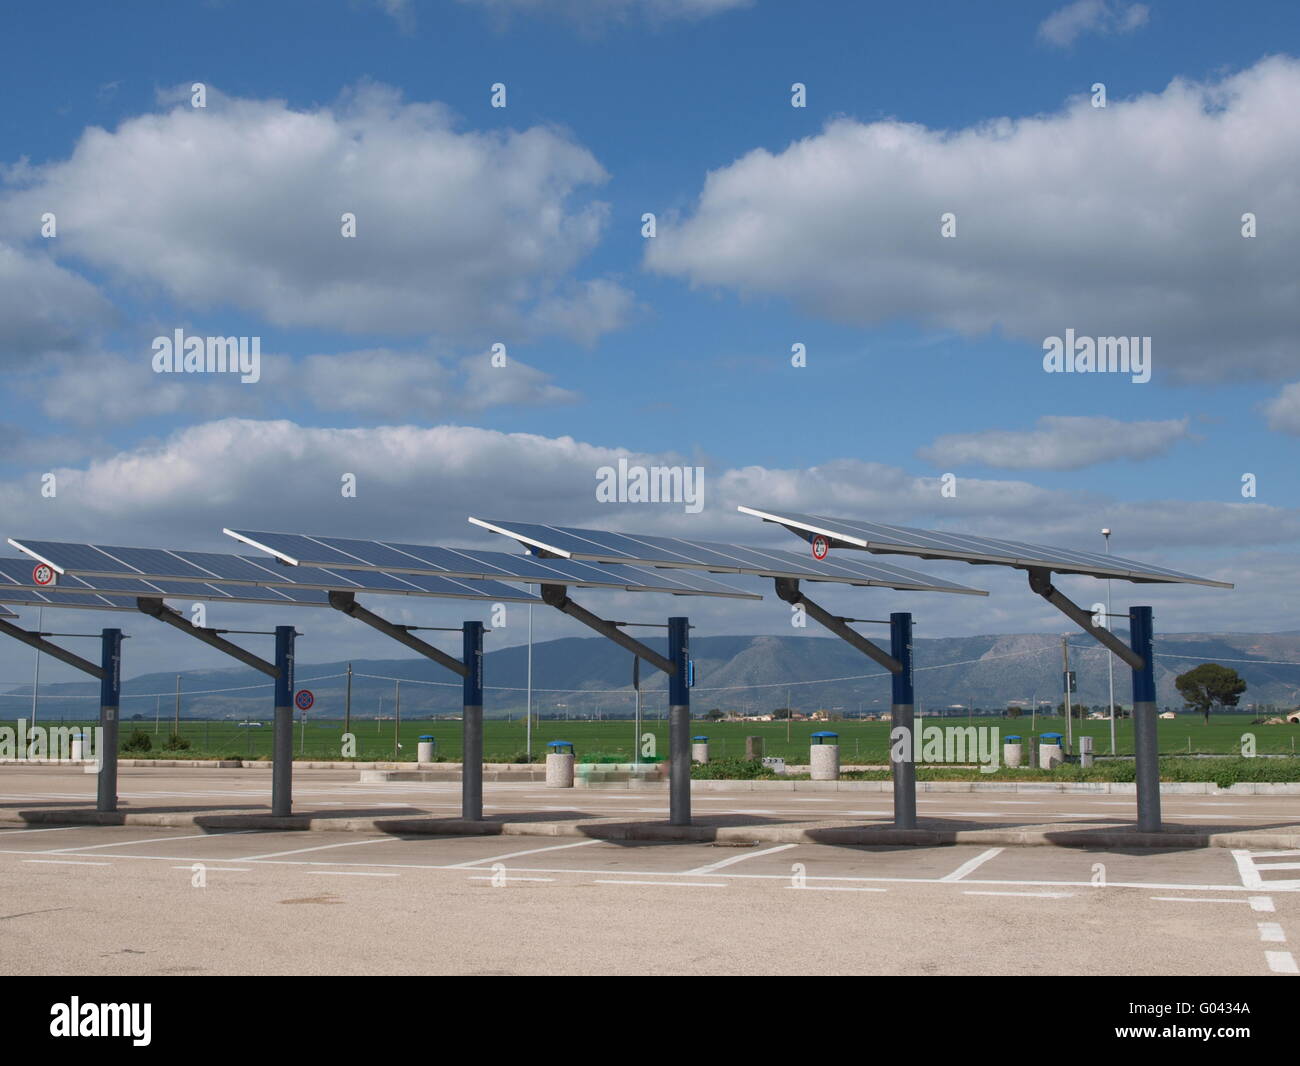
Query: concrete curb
[[1048, 835]]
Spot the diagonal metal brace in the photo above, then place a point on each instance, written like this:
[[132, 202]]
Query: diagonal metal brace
[[788, 589], [53, 650], [155, 608], [1040, 580], [347, 603], [557, 596]]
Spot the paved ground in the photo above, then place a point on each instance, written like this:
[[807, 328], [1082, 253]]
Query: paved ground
[[338, 792], [127, 900], [121, 900]]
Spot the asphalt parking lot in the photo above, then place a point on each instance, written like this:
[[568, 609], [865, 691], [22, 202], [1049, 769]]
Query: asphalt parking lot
[[132, 901]]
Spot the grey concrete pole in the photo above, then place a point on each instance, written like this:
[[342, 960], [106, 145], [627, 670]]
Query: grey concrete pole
[[903, 715], [110, 697], [1146, 743], [282, 734], [679, 722], [471, 775]]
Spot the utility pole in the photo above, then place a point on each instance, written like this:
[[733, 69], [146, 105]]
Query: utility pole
[[36, 676], [176, 729], [529, 732]]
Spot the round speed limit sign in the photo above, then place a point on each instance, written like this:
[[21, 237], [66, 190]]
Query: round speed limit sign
[[820, 547], [43, 574]]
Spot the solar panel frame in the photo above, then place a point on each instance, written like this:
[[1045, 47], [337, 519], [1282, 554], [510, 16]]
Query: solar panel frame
[[674, 552], [17, 573], [884, 539], [299, 550]]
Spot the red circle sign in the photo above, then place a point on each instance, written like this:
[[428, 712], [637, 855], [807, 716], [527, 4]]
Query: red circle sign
[[820, 547], [304, 699], [43, 574]]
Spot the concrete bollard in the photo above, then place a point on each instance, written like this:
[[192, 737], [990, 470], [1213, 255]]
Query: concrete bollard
[[699, 749], [1085, 751], [425, 748], [1050, 754], [559, 764], [78, 746], [1012, 752], [824, 756], [753, 747]]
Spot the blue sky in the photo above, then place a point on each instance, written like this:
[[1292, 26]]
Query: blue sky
[[776, 225]]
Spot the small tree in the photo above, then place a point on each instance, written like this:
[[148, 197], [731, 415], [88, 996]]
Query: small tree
[[1013, 711], [1208, 684]]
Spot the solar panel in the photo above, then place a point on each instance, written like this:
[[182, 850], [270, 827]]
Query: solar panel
[[342, 555], [6, 613], [673, 552], [280, 586], [74, 600], [939, 544]]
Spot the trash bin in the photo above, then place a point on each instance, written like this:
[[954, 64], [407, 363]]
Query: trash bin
[[1012, 751], [425, 749], [1085, 751], [1049, 751], [559, 764], [699, 749], [78, 746], [824, 755]]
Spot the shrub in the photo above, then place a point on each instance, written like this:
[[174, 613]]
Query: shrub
[[137, 741], [176, 742]]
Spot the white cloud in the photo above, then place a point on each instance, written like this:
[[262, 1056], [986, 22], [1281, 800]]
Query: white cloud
[[1283, 410], [460, 234], [1060, 442], [1117, 221], [44, 309], [1102, 17]]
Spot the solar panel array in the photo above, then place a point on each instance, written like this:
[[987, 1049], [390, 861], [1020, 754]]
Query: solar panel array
[[282, 585], [341, 555], [674, 552], [940, 544]]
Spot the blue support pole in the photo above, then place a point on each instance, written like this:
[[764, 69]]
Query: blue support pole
[[903, 722], [110, 698], [471, 775], [679, 722], [1146, 746], [282, 736]]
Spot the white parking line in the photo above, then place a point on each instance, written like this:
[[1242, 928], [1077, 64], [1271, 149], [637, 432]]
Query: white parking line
[[530, 851], [1044, 895], [1246, 869], [494, 877], [709, 868], [833, 888], [66, 862], [151, 840], [970, 865], [351, 873], [1261, 903], [676, 884], [216, 869], [1271, 932], [319, 847], [1281, 962], [56, 829], [1196, 899]]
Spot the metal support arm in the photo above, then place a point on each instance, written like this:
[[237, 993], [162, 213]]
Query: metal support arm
[[1040, 581], [788, 589], [53, 650], [155, 608], [347, 603], [557, 596]]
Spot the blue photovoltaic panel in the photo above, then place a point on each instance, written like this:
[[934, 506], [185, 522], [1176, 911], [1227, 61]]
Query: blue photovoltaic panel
[[342, 555], [939, 544], [6, 613], [280, 585], [75, 600], [607, 548]]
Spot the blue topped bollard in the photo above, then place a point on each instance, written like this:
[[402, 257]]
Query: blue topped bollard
[[824, 755]]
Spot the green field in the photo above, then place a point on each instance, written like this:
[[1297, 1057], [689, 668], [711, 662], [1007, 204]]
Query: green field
[[612, 741]]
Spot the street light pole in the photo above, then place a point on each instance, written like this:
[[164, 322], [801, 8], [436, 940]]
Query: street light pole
[[1110, 659]]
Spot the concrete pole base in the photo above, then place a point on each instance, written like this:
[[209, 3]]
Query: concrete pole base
[[559, 771]]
